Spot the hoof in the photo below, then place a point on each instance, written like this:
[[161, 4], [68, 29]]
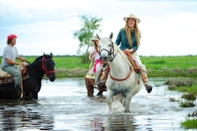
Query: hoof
[[127, 111]]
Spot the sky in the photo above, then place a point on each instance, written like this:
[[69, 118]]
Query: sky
[[168, 27]]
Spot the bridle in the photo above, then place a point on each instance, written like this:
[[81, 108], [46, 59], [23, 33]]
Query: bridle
[[47, 72], [111, 57], [111, 54]]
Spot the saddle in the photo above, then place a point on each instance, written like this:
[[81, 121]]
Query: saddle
[[6, 78], [102, 75], [90, 74], [132, 61], [135, 66]]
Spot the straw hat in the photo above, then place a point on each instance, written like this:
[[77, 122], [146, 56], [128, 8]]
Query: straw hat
[[132, 16], [94, 38]]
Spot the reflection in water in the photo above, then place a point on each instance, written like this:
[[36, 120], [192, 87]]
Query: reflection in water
[[8, 120], [21, 115], [63, 105], [120, 122], [97, 124]]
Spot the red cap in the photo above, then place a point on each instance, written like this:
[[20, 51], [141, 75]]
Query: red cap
[[11, 36]]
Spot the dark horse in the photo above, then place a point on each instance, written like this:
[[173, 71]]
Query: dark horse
[[32, 85]]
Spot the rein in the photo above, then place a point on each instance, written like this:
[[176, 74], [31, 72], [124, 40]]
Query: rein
[[38, 74], [116, 79], [110, 53], [43, 67]]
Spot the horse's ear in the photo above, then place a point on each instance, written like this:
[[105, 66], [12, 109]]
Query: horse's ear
[[97, 36], [111, 35], [44, 54], [51, 54]]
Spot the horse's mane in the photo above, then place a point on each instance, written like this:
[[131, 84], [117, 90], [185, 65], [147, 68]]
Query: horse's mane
[[46, 56], [124, 56], [39, 57]]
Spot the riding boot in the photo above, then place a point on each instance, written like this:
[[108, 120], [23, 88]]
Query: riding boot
[[139, 69], [17, 90], [145, 78]]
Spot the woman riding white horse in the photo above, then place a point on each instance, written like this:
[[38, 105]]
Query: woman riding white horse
[[129, 40], [122, 78]]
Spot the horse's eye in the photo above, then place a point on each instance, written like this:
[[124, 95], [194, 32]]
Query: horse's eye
[[110, 45]]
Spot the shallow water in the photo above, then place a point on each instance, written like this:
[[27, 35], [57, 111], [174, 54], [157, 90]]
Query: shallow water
[[63, 105]]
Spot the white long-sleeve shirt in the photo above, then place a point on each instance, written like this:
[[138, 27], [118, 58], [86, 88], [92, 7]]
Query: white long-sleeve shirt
[[95, 56]]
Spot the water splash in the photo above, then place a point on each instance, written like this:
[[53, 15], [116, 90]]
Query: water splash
[[117, 107]]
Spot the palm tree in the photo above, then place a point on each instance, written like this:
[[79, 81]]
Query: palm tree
[[85, 33]]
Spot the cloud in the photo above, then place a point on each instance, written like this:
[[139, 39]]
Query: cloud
[[48, 25]]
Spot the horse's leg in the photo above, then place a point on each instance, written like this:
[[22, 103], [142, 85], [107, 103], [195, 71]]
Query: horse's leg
[[35, 96], [127, 102], [109, 99], [89, 87], [92, 83], [28, 96]]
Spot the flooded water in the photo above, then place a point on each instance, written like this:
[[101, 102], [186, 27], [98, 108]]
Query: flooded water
[[64, 106]]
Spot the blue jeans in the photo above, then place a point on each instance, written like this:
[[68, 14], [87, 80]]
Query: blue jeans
[[14, 71]]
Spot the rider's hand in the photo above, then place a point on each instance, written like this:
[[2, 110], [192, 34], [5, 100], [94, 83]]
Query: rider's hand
[[132, 51], [23, 59], [95, 52], [22, 63], [127, 50]]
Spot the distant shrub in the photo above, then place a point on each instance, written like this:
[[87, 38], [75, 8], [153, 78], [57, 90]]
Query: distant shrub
[[176, 82]]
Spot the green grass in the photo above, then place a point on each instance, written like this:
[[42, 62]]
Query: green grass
[[189, 124], [186, 104], [66, 62], [192, 89], [170, 62], [171, 66], [69, 62], [157, 66]]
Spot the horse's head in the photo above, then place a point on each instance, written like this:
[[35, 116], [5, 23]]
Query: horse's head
[[106, 48], [48, 66]]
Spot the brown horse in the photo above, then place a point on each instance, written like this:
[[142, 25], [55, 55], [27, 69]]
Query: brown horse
[[90, 87], [90, 81]]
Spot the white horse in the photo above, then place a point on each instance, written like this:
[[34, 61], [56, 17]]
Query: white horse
[[122, 79]]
